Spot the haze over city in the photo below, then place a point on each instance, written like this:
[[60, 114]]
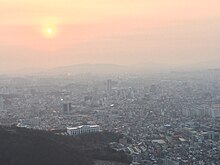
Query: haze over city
[[38, 35], [109, 82]]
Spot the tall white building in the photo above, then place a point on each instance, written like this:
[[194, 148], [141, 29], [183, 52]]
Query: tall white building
[[83, 129], [1, 103]]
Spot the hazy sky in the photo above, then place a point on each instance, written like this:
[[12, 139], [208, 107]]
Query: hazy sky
[[45, 34]]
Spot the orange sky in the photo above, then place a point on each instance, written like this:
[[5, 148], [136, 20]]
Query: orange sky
[[172, 32]]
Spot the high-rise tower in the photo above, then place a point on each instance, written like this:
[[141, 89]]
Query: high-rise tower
[[109, 85], [1, 103]]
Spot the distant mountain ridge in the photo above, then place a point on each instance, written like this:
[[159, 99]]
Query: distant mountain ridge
[[105, 69], [207, 65], [90, 68], [109, 69]]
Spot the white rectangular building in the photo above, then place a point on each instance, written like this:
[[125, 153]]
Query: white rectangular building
[[83, 129]]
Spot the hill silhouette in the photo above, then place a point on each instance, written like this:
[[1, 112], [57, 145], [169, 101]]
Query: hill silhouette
[[20, 146]]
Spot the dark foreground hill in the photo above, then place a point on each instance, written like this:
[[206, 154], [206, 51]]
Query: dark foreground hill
[[19, 146]]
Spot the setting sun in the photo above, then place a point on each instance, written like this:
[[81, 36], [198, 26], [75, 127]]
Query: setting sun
[[49, 31]]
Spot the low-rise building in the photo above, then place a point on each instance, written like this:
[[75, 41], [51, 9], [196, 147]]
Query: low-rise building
[[83, 129]]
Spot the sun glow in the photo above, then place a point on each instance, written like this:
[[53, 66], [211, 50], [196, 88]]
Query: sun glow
[[49, 31]]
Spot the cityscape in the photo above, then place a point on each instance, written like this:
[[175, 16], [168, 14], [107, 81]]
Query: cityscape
[[171, 118], [109, 82]]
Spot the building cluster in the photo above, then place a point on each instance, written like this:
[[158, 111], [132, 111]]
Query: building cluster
[[166, 119]]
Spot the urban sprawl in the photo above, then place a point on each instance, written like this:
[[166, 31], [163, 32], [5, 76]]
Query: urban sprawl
[[166, 119]]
